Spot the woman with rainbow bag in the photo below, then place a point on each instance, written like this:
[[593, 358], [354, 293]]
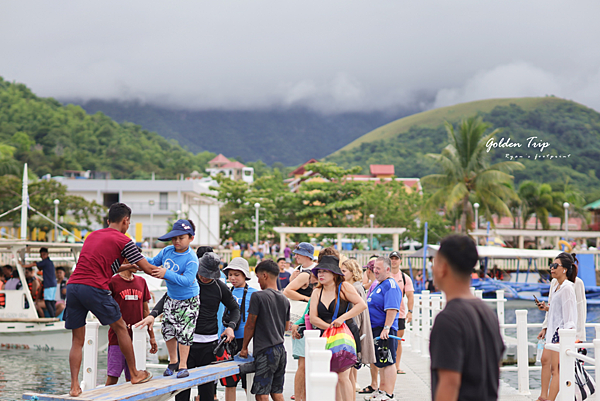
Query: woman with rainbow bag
[[329, 313]]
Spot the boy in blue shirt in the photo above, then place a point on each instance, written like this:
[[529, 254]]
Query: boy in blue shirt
[[238, 272], [179, 268]]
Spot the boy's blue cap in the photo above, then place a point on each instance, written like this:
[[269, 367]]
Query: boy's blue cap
[[305, 249], [181, 227]]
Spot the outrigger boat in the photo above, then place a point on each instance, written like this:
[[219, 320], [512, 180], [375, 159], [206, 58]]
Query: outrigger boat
[[20, 326], [523, 285]]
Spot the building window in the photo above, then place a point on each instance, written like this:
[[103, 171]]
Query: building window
[[163, 203]]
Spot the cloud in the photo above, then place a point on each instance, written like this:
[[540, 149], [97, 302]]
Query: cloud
[[331, 56]]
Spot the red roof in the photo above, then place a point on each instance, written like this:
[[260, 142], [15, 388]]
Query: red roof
[[219, 159], [233, 165], [382, 169], [301, 170]]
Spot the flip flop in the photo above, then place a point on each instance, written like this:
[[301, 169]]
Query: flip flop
[[367, 390], [146, 379], [400, 372]]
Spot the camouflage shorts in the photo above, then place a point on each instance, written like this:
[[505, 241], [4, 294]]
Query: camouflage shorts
[[179, 320]]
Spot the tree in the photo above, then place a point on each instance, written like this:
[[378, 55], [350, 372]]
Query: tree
[[536, 199], [466, 173], [8, 165]]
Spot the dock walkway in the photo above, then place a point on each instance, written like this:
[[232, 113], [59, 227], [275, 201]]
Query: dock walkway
[[415, 385]]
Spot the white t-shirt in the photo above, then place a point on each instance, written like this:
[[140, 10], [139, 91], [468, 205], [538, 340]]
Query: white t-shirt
[[581, 307]]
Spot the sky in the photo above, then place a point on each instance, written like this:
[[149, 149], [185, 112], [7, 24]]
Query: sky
[[330, 56]]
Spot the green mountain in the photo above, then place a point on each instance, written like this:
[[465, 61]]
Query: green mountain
[[53, 138], [571, 131], [287, 136]]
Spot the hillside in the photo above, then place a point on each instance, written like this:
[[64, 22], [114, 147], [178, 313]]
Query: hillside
[[288, 136], [572, 131], [51, 138]]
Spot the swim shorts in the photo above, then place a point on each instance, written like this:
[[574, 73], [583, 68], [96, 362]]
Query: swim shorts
[[179, 320]]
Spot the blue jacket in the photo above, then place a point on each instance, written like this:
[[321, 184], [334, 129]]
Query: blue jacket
[[181, 272]]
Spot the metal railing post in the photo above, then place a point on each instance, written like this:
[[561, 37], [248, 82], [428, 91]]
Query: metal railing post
[[500, 310], [426, 313], [416, 326], [522, 353], [320, 382], [567, 365], [139, 347], [90, 356]]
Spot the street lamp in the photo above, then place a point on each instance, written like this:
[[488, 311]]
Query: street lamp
[[256, 206], [566, 206], [56, 202], [476, 206], [151, 204], [372, 217]]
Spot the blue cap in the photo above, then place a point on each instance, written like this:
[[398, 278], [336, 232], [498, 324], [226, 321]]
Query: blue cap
[[305, 249], [181, 227]]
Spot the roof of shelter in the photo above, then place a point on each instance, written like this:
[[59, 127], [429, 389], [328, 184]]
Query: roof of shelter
[[382, 169]]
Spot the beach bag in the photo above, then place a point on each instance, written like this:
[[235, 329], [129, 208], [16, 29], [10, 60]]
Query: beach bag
[[341, 343], [585, 384]]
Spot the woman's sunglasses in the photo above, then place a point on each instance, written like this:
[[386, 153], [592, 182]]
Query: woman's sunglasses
[[554, 266]]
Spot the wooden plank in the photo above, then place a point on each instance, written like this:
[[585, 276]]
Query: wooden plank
[[156, 388], [28, 320]]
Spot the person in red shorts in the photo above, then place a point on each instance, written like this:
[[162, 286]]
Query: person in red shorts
[[132, 295], [101, 257]]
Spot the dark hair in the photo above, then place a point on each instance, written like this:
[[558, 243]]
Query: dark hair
[[61, 268], [29, 269], [269, 267], [193, 227], [280, 259], [569, 262], [461, 253], [7, 267], [117, 212], [202, 250], [44, 249], [329, 251]]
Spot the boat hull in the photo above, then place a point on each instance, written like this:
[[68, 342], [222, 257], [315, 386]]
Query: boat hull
[[50, 336]]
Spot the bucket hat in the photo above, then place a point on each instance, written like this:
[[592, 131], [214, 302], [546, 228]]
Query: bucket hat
[[239, 264], [208, 265], [328, 262], [180, 227], [305, 249]]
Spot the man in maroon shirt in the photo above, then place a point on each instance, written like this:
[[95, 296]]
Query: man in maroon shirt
[[101, 257]]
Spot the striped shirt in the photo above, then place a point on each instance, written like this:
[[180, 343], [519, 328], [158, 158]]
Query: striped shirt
[[102, 254]]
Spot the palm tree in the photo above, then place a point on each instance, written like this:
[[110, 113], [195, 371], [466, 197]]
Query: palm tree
[[468, 176], [537, 199]]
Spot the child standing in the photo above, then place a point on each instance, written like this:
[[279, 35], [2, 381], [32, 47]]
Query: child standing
[[270, 311], [132, 295], [180, 265], [238, 272]]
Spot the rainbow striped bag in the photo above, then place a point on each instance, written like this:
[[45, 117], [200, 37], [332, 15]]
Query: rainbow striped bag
[[340, 341]]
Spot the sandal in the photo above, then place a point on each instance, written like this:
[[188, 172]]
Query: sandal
[[367, 390], [145, 379], [400, 372]]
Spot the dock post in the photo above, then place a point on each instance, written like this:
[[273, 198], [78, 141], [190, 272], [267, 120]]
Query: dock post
[[416, 324], [90, 356], [139, 347], [597, 328], [500, 311], [567, 365], [426, 313], [479, 294], [522, 353], [597, 352], [316, 366]]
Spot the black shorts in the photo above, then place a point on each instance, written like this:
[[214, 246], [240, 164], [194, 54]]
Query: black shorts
[[401, 324], [270, 371], [232, 381], [385, 350], [82, 299]]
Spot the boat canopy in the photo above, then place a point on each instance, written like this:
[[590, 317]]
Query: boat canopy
[[497, 252]]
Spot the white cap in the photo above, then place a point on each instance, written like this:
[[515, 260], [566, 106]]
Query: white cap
[[239, 264]]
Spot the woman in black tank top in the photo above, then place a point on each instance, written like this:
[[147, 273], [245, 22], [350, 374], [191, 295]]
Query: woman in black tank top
[[323, 304]]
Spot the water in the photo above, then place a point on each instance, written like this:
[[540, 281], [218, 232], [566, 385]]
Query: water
[[48, 371], [534, 315]]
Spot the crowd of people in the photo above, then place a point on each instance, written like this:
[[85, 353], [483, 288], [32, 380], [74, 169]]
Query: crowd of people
[[204, 319]]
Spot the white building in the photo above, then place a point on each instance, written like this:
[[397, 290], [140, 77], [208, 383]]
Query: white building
[[154, 201], [234, 170]]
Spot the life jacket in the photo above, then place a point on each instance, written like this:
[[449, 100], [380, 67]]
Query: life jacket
[[30, 285]]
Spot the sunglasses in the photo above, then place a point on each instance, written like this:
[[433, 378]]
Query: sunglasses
[[554, 266]]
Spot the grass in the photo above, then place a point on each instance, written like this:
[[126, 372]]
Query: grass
[[434, 118]]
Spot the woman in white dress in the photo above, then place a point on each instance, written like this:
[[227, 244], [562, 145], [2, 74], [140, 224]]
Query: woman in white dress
[[562, 313]]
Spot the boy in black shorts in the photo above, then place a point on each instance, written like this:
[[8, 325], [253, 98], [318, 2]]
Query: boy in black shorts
[[269, 311]]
